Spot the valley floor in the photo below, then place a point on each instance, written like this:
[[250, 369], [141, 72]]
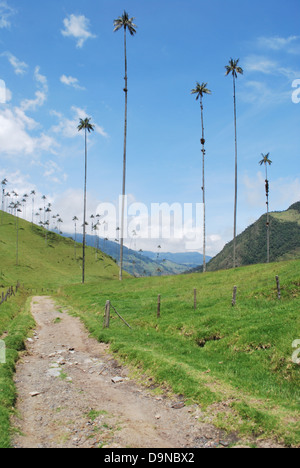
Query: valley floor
[[67, 397]]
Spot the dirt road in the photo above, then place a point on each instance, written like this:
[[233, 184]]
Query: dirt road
[[68, 399]]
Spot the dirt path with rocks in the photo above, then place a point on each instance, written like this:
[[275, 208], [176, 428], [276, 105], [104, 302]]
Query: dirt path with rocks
[[72, 393]]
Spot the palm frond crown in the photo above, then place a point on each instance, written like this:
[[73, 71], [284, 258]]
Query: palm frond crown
[[125, 22], [266, 160], [85, 124], [200, 90], [233, 68]]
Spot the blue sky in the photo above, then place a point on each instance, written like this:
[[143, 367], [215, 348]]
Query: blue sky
[[61, 61]]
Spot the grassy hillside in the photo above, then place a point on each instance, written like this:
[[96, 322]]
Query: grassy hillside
[[252, 243], [235, 362], [44, 263]]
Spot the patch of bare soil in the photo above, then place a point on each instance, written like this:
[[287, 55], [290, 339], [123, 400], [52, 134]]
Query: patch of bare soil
[[73, 394]]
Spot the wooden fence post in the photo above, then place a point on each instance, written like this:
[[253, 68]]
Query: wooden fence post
[[107, 314], [195, 299], [234, 296], [158, 306], [278, 287]]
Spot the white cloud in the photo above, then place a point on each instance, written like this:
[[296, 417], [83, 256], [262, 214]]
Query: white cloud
[[260, 64], [255, 63], [214, 244], [16, 126], [41, 79], [15, 137], [51, 171], [19, 66], [77, 27], [71, 81], [6, 12], [278, 43], [283, 191], [40, 95], [13, 134], [100, 130], [254, 190], [8, 95], [69, 204], [260, 94], [33, 104]]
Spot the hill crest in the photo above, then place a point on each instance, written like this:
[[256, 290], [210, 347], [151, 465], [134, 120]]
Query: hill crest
[[251, 247]]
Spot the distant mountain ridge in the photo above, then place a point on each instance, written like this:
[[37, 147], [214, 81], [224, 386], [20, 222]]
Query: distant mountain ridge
[[252, 243], [146, 263], [190, 259]]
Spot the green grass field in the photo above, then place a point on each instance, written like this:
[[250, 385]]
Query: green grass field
[[237, 359], [236, 363]]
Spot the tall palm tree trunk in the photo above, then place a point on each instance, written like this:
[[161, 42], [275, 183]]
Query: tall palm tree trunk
[[75, 228], [236, 179], [2, 205], [124, 162], [17, 244], [268, 217], [203, 187], [84, 212]]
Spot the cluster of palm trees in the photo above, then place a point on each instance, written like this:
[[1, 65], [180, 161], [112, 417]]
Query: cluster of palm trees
[[127, 24], [13, 203], [200, 90]]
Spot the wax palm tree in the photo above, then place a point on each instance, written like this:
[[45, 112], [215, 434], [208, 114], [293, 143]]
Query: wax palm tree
[[7, 195], [15, 204], [44, 198], [127, 23], [92, 217], [200, 90], [32, 193], [59, 223], [234, 70], [96, 243], [53, 222], [16, 207], [75, 219], [84, 124], [267, 162], [3, 183], [37, 216], [25, 196], [48, 211]]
